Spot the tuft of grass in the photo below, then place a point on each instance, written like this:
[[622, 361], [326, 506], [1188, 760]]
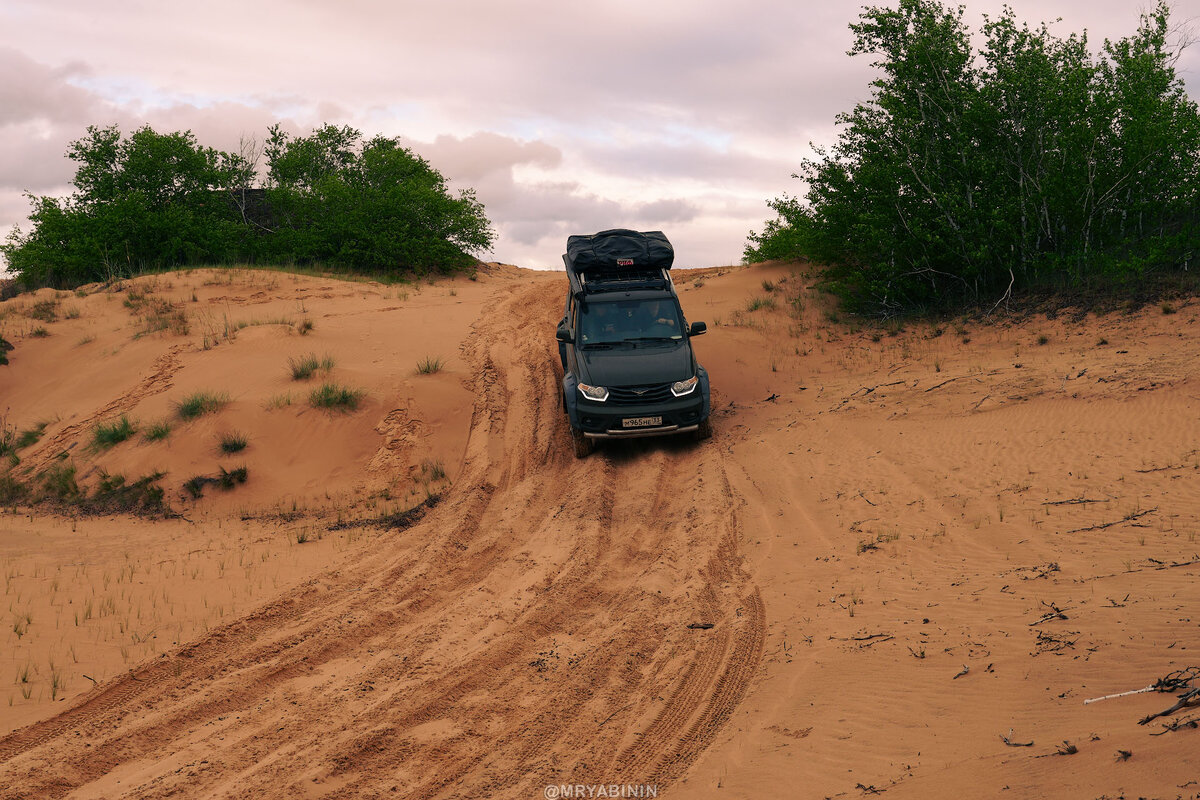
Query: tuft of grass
[[755, 303], [1043, 339], [114, 495], [112, 433], [229, 478], [304, 327], [1167, 308], [29, 436], [58, 483], [769, 286], [39, 332], [198, 404], [429, 365], [44, 310], [1101, 342], [158, 431], [160, 315], [11, 489], [195, 485], [225, 479], [336, 398], [279, 401], [233, 442], [306, 366]]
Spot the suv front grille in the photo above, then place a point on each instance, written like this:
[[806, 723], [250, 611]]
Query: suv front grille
[[638, 395]]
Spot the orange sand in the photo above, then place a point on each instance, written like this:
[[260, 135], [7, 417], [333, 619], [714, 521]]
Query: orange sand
[[879, 512]]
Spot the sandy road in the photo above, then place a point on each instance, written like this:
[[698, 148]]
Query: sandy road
[[531, 629]]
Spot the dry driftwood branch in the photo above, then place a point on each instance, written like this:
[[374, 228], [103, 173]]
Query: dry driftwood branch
[[1178, 725], [867, 390], [1072, 502], [943, 383], [1055, 613], [1008, 741], [977, 405], [1189, 699], [1127, 518]]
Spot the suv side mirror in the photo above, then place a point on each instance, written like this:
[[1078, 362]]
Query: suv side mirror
[[563, 334], [697, 328]]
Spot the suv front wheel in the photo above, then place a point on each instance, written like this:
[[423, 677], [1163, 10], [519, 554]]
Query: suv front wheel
[[583, 445]]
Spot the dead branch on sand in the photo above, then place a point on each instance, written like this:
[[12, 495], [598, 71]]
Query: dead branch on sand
[[1127, 518]]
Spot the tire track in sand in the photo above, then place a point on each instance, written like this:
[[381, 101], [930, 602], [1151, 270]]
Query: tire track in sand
[[525, 638]]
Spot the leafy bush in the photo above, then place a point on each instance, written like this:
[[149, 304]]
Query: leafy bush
[[971, 173], [151, 201]]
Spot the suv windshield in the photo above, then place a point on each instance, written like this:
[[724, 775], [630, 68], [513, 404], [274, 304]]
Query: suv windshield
[[619, 321]]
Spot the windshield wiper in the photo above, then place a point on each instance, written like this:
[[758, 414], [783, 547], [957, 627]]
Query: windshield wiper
[[652, 339]]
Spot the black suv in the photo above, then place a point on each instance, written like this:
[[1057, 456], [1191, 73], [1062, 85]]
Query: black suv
[[628, 366]]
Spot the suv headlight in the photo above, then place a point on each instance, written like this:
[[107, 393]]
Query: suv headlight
[[680, 388], [597, 393]]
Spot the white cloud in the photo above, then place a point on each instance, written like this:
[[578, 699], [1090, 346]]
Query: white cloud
[[565, 117]]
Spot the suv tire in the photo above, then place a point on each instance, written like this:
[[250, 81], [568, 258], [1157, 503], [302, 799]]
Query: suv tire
[[583, 445], [704, 431]]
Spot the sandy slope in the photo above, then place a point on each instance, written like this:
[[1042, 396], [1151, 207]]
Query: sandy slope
[[876, 513]]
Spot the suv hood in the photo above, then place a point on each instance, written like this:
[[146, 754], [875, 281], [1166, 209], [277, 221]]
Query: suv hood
[[641, 366]]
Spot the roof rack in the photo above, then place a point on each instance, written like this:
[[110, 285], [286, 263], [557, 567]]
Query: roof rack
[[619, 280]]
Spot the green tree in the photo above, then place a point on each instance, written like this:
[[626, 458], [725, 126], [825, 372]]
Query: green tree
[[148, 200], [151, 200], [968, 174], [366, 205]]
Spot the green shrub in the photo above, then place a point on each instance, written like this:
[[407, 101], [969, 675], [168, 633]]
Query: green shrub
[[924, 201], [147, 201]]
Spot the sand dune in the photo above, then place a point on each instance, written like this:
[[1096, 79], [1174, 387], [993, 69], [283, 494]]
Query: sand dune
[[909, 544]]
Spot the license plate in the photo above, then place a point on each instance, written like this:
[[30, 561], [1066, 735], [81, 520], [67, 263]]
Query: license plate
[[641, 422]]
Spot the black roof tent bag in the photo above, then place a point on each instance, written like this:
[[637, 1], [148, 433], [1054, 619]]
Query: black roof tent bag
[[619, 249]]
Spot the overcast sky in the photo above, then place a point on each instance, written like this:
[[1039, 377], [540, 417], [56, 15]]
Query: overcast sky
[[566, 117]]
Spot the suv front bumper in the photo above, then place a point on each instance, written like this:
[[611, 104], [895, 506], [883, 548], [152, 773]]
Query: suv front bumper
[[606, 420]]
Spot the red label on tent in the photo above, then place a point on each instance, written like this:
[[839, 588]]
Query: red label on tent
[[624, 262]]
